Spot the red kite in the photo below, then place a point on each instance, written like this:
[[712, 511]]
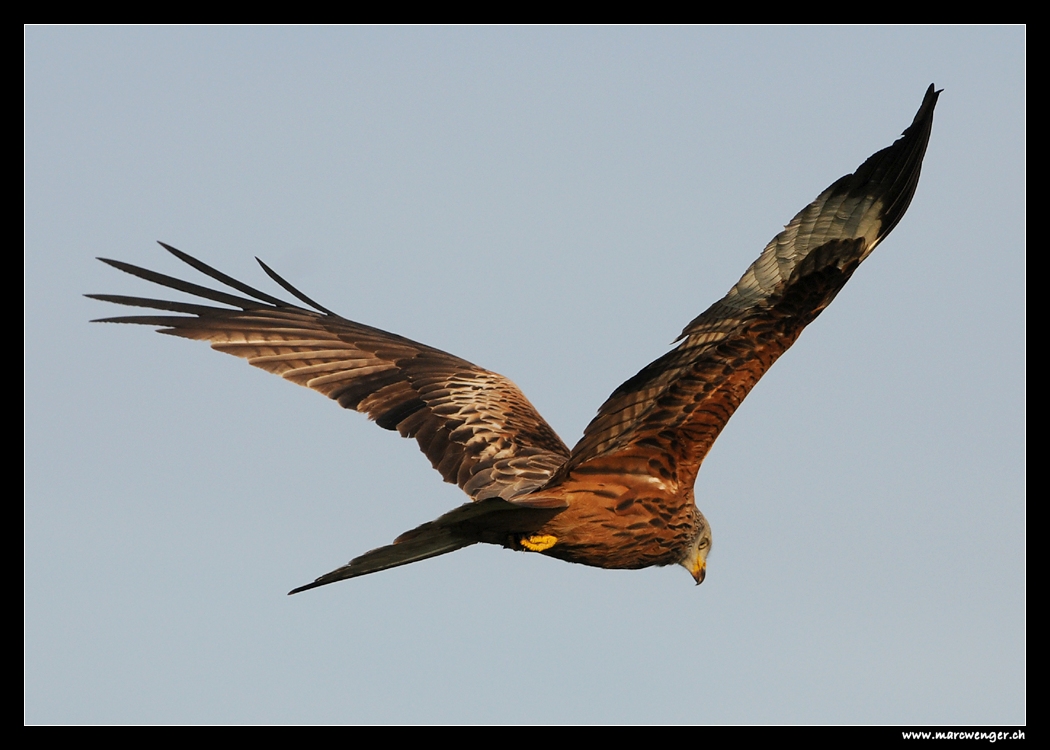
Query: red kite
[[623, 496]]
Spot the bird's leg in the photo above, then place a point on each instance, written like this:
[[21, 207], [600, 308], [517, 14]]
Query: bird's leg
[[538, 542]]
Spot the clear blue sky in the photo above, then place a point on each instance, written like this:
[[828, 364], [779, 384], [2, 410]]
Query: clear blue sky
[[553, 204]]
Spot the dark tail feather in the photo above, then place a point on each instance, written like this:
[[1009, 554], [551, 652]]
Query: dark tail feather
[[430, 543], [493, 520]]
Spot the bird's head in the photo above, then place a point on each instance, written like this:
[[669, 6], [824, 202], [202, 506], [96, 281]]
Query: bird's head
[[695, 558]]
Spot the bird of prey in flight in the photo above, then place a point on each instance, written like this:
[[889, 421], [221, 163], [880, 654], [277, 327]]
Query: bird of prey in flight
[[623, 496]]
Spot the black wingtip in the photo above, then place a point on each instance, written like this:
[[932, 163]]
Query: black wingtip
[[223, 278], [894, 171], [184, 257], [189, 288], [291, 289]]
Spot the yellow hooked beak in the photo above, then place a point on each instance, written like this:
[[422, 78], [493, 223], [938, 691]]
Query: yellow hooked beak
[[699, 570], [696, 564]]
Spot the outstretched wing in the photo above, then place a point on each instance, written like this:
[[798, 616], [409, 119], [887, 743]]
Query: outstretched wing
[[476, 427], [677, 406]]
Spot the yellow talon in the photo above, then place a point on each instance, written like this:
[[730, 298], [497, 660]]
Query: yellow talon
[[539, 542]]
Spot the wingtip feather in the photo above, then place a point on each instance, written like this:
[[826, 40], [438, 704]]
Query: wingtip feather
[[287, 286]]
